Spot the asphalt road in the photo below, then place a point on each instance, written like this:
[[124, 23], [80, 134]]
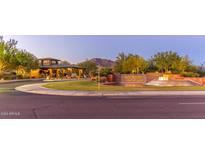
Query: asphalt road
[[14, 104]]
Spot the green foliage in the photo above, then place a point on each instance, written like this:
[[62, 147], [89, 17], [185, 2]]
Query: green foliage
[[19, 76], [134, 64], [92, 86], [184, 64], [4, 60], [105, 71], [166, 61], [8, 75], [90, 67], [190, 74], [64, 62], [26, 59], [192, 68], [201, 73], [130, 64], [12, 58], [170, 61], [118, 67], [151, 66]]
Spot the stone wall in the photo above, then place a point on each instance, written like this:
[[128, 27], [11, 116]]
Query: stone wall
[[141, 79], [200, 80], [131, 80], [152, 76]]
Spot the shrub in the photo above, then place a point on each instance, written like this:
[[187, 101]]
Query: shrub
[[103, 79], [190, 74], [8, 78], [201, 73], [19, 76], [105, 71]]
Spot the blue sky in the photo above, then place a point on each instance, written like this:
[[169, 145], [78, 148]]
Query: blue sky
[[77, 48]]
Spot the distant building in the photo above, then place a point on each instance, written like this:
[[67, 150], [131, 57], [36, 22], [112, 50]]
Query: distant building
[[53, 68]]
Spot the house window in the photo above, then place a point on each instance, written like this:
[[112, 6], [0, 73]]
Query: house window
[[46, 62], [53, 62]]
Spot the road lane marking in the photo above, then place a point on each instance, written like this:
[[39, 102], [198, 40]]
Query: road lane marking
[[125, 97], [193, 103], [121, 97]]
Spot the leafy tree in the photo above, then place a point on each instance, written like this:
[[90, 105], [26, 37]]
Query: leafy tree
[[151, 66], [166, 61], [183, 64], [10, 52], [90, 67], [105, 71], [134, 64], [24, 62], [26, 59], [12, 58], [192, 68], [171, 61], [130, 64], [4, 57], [64, 62]]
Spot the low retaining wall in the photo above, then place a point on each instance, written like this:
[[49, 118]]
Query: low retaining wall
[[200, 80], [152, 76], [141, 79], [131, 80]]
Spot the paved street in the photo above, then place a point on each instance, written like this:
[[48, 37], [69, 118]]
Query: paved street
[[14, 104]]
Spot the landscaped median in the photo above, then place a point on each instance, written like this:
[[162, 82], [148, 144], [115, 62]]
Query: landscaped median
[[93, 86], [89, 88]]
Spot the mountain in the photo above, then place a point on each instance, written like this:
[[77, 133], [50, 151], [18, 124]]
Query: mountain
[[103, 62]]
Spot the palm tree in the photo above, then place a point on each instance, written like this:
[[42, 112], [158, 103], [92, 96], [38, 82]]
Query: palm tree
[[119, 62]]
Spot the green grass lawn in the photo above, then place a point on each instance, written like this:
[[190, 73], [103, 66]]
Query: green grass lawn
[[92, 86], [4, 90]]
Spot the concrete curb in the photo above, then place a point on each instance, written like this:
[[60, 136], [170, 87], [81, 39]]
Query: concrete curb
[[38, 89], [20, 80]]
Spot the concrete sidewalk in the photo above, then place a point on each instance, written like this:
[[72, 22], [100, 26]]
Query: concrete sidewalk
[[38, 89]]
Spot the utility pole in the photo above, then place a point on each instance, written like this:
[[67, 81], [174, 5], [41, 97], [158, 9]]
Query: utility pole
[[99, 79]]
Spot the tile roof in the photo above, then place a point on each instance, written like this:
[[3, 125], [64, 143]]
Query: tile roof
[[48, 58], [60, 66]]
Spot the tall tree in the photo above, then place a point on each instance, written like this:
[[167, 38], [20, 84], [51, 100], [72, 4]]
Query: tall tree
[[130, 64], [118, 67], [184, 64], [65, 62], [4, 57], [151, 66], [134, 64], [166, 61], [11, 58], [25, 61], [90, 67]]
